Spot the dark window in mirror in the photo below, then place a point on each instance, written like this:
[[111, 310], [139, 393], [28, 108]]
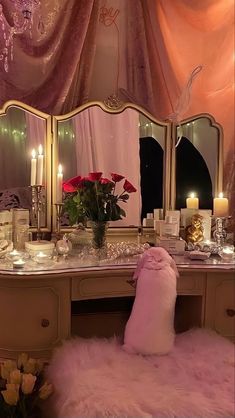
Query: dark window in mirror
[[151, 175], [192, 175]]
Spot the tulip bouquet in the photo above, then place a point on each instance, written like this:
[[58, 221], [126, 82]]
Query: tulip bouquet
[[93, 198], [22, 388]]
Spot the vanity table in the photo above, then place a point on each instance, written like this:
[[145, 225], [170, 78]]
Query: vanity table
[[35, 304]]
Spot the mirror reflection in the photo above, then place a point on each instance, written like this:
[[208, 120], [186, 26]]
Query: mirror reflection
[[197, 161], [127, 143], [20, 132]]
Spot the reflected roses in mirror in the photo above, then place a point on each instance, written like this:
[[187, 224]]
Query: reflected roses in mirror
[[94, 198]]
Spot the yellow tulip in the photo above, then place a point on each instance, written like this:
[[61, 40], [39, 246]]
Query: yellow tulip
[[22, 360], [39, 365], [28, 381], [15, 376], [11, 396], [30, 366], [45, 391]]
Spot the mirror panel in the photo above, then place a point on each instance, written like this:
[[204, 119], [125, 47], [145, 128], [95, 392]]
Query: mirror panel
[[23, 129], [127, 141], [198, 161]]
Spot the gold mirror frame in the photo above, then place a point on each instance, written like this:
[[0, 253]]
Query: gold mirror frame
[[219, 175], [112, 107], [48, 141]]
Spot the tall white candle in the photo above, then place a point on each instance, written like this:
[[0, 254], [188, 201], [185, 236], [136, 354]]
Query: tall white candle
[[33, 168], [59, 184], [40, 166], [220, 206], [192, 202]]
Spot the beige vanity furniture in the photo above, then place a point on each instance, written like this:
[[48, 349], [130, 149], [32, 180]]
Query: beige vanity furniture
[[35, 306]]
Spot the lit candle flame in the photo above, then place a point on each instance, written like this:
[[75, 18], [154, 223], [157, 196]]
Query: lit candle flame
[[192, 195], [40, 149], [221, 195], [33, 153], [60, 169]]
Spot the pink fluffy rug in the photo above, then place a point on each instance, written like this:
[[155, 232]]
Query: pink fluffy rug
[[97, 379]]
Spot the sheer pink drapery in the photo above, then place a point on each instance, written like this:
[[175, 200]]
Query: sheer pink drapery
[[111, 145], [51, 71], [159, 43]]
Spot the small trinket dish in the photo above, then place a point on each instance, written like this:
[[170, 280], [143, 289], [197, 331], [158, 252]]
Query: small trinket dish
[[199, 255]]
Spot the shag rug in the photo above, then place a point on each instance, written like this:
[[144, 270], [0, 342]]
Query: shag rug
[[97, 378]]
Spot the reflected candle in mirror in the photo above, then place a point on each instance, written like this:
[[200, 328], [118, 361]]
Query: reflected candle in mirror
[[40, 166], [14, 255], [220, 206], [192, 202], [33, 168], [18, 264], [41, 257], [59, 184], [227, 252]]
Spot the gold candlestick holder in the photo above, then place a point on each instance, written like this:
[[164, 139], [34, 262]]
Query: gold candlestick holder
[[59, 212], [37, 207]]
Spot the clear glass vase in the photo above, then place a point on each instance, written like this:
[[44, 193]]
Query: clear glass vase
[[99, 230]]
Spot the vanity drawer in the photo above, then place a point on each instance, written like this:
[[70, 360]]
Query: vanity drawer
[[190, 283], [34, 316], [102, 286]]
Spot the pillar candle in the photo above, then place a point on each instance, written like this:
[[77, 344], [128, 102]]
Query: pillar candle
[[59, 184], [40, 166], [220, 206], [192, 202], [33, 168]]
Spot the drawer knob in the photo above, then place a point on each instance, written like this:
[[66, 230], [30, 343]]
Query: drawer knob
[[230, 312], [132, 283], [45, 323]]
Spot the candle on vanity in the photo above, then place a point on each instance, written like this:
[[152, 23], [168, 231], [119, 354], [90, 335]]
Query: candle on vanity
[[18, 264], [59, 184], [40, 166], [220, 206], [192, 202], [33, 168]]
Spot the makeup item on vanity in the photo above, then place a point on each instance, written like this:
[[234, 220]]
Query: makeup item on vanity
[[149, 222], [34, 247], [168, 228], [156, 225], [175, 216], [158, 214], [173, 245]]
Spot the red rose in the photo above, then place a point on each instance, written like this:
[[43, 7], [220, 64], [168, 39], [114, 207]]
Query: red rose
[[75, 181], [67, 187], [116, 177], [128, 187], [94, 176], [105, 181]]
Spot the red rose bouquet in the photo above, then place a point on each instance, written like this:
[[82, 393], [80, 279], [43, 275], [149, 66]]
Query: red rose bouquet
[[93, 198]]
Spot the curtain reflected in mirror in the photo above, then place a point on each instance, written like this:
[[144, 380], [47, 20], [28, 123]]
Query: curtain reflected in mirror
[[94, 140], [197, 157], [20, 133]]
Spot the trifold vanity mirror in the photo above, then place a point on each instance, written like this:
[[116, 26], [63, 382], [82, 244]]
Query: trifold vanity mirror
[[163, 161]]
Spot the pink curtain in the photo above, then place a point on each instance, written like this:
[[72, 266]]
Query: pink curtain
[[51, 71], [143, 49], [110, 143]]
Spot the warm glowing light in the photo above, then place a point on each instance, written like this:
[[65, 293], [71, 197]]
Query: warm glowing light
[[192, 195], [60, 169], [33, 153], [221, 195], [40, 149]]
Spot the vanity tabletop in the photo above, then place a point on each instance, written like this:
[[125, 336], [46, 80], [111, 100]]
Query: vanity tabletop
[[73, 264]]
